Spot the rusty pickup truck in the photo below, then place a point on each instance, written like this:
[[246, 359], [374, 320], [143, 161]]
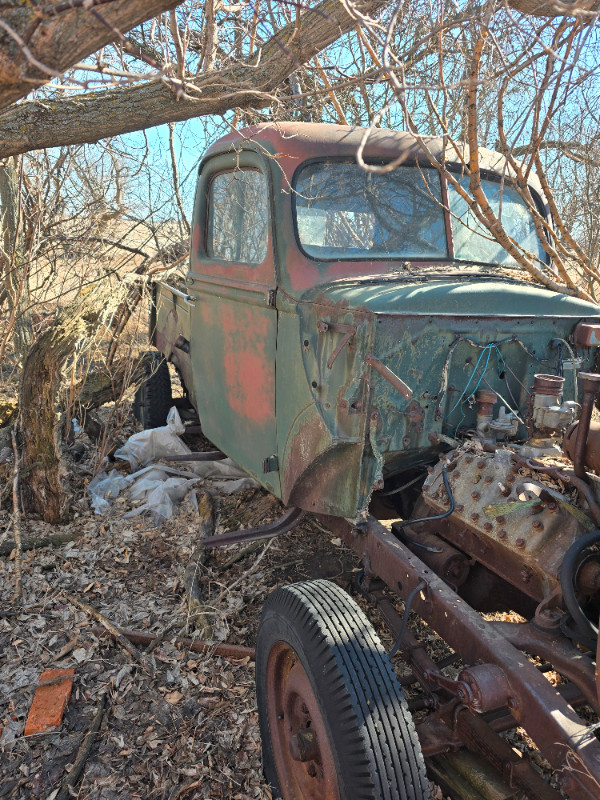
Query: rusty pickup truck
[[358, 343]]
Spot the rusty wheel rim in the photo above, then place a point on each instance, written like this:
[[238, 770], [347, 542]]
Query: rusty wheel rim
[[299, 740]]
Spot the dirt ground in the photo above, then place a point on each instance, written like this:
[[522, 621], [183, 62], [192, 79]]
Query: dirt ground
[[190, 730]]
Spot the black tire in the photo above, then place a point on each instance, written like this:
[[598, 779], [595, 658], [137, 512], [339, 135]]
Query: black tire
[[153, 399], [370, 732]]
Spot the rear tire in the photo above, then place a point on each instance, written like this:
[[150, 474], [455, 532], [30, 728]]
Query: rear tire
[[334, 722], [153, 399]]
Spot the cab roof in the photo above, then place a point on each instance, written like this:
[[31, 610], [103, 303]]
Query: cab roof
[[307, 140]]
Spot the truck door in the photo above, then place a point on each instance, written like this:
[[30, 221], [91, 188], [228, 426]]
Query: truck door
[[234, 319]]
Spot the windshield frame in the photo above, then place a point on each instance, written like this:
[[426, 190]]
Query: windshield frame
[[445, 187]]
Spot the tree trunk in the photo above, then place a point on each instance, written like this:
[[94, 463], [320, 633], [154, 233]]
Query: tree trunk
[[37, 425], [36, 124], [14, 287]]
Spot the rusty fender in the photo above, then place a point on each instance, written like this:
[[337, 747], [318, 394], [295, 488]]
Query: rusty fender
[[561, 735]]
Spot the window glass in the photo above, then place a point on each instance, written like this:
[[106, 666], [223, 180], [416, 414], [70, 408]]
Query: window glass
[[343, 212], [238, 215], [473, 242]]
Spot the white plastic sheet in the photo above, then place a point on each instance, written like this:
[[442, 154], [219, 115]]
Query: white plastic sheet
[[225, 475], [153, 444], [157, 487], [104, 486], [163, 499]]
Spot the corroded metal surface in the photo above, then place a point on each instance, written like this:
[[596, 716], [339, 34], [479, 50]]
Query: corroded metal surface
[[267, 531], [524, 544], [301, 749], [568, 743]]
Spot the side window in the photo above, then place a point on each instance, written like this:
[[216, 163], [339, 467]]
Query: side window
[[238, 216]]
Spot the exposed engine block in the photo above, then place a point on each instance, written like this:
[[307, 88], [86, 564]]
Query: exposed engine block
[[505, 519]]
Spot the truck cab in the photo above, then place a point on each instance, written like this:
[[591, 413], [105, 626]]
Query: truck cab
[[336, 323]]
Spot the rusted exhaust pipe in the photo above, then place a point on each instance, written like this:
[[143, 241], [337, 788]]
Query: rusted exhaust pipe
[[591, 458], [580, 430]]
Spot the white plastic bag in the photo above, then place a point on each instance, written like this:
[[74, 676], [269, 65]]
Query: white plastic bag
[[151, 445], [104, 486], [163, 499]]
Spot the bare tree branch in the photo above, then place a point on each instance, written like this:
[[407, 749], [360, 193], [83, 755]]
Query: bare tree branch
[[97, 115], [41, 42], [556, 8]]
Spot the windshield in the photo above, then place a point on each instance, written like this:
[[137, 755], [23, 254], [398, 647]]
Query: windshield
[[343, 212], [473, 242]]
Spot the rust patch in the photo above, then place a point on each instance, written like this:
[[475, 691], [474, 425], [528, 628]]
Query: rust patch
[[248, 379]]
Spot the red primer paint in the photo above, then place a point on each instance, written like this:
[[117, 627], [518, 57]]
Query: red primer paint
[[248, 374]]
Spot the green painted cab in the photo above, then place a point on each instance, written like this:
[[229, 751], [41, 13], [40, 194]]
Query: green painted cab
[[339, 321]]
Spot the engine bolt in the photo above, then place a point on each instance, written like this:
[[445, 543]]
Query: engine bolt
[[514, 469], [539, 526], [526, 574], [475, 495], [488, 526], [505, 492], [500, 520], [481, 464], [446, 501], [456, 473], [520, 542], [510, 478], [502, 534], [474, 516], [459, 509], [552, 507], [430, 470], [469, 459]]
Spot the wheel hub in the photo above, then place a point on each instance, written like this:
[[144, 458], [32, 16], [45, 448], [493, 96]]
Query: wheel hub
[[301, 747]]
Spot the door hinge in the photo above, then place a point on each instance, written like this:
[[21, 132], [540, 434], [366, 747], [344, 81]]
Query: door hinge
[[272, 298], [270, 464]]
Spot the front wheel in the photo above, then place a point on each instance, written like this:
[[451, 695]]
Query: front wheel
[[333, 718]]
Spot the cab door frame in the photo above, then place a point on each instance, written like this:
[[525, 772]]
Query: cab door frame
[[234, 334]]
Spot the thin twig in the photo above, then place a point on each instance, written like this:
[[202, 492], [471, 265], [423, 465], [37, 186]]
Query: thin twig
[[113, 630], [249, 571], [252, 548], [229, 651], [89, 737], [18, 593]]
